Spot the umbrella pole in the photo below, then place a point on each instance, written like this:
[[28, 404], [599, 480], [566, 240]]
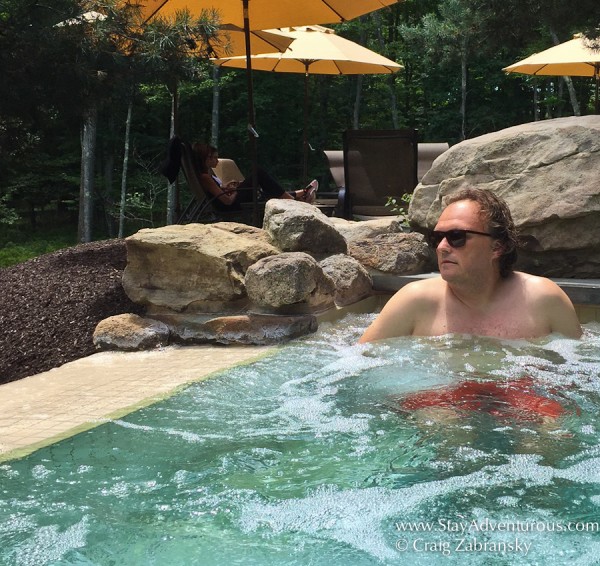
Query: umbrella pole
[[596, 73], [251, 117], [305, 137]]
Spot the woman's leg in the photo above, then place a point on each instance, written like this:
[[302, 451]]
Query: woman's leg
[[272, 189]]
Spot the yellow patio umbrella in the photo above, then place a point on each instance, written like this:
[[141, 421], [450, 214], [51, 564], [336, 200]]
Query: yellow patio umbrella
[[263, 14], [572, 58], [231, 41], [259, 15], [316, 50]]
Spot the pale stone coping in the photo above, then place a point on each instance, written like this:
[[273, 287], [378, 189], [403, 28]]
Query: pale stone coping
[[45, 408]]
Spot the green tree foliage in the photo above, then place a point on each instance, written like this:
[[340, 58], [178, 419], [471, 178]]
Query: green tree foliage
[[452, 87]]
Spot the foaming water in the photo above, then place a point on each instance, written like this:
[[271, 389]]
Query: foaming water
[[331, 453]]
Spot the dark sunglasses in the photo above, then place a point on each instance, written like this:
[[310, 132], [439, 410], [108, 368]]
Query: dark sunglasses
[[455, 238]]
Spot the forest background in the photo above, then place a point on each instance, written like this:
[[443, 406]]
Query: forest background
[[86, 110]]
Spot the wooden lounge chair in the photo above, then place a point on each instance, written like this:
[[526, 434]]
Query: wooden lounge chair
[[335, 159], [378, 164]]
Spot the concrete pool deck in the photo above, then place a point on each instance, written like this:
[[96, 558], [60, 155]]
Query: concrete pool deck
[[39, 410]]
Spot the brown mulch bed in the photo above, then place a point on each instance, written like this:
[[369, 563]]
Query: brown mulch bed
[[50, 306]]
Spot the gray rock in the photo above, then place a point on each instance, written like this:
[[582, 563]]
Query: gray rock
[[292, 278], [396, 254], [352, 281], [547, 172], [297, 226], [363, 230], [130, 332]]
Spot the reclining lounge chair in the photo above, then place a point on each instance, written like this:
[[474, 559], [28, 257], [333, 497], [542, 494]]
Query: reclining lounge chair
[[378, 164], [427, 153]]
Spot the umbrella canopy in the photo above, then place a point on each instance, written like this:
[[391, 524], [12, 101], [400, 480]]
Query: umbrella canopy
[[316, 50], [263, 14], [572, 58], [232, 41]]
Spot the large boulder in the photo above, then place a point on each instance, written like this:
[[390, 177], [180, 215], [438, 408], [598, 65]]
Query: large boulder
[[393, 253], [547, 172], [194, 267], [289, 282], [249, 232], [296, 226], [351, 280]]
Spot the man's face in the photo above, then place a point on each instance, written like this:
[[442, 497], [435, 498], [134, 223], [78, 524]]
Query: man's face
[[475, 258]]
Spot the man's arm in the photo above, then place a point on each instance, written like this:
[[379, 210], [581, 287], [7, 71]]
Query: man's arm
[[563, 318], [399, 316]]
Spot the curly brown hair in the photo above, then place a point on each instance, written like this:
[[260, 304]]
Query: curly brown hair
[[496, 213]]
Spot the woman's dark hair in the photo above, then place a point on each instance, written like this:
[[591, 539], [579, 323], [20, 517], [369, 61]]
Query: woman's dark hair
[[202, 151], [496, 213]]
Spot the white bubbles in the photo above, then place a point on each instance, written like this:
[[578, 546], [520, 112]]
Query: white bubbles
[[50, 544], [40, 472]]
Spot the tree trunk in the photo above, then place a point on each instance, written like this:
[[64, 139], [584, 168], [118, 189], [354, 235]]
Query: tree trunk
[[393, 102], [536, 101], [463, 91], [391, 79], [86, 189], [172, 200], [124, 172], [108, 193], [216, 104], [359, 80], [356, 114]]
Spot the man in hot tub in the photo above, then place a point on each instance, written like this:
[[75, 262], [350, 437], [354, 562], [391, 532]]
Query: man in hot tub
[[477, 292]]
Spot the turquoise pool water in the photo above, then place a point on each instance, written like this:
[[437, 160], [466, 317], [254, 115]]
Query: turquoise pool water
[[304, 458]]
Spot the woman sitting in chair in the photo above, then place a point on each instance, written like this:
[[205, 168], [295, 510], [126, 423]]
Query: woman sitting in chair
[[230, 194]]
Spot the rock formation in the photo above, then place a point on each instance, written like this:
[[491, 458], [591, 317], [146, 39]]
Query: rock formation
[[548, 172], [193, 267], [351, 280], [130, 332]]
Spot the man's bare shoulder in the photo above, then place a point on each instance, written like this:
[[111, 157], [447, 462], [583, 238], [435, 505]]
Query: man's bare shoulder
[[401, 313], [550, 301], [424, 289], [538, 287], [418, 294]]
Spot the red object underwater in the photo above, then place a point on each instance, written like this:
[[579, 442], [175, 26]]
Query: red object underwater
[[508, 398]]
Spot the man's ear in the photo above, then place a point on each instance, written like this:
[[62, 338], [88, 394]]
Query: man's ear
[[498, 248]]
